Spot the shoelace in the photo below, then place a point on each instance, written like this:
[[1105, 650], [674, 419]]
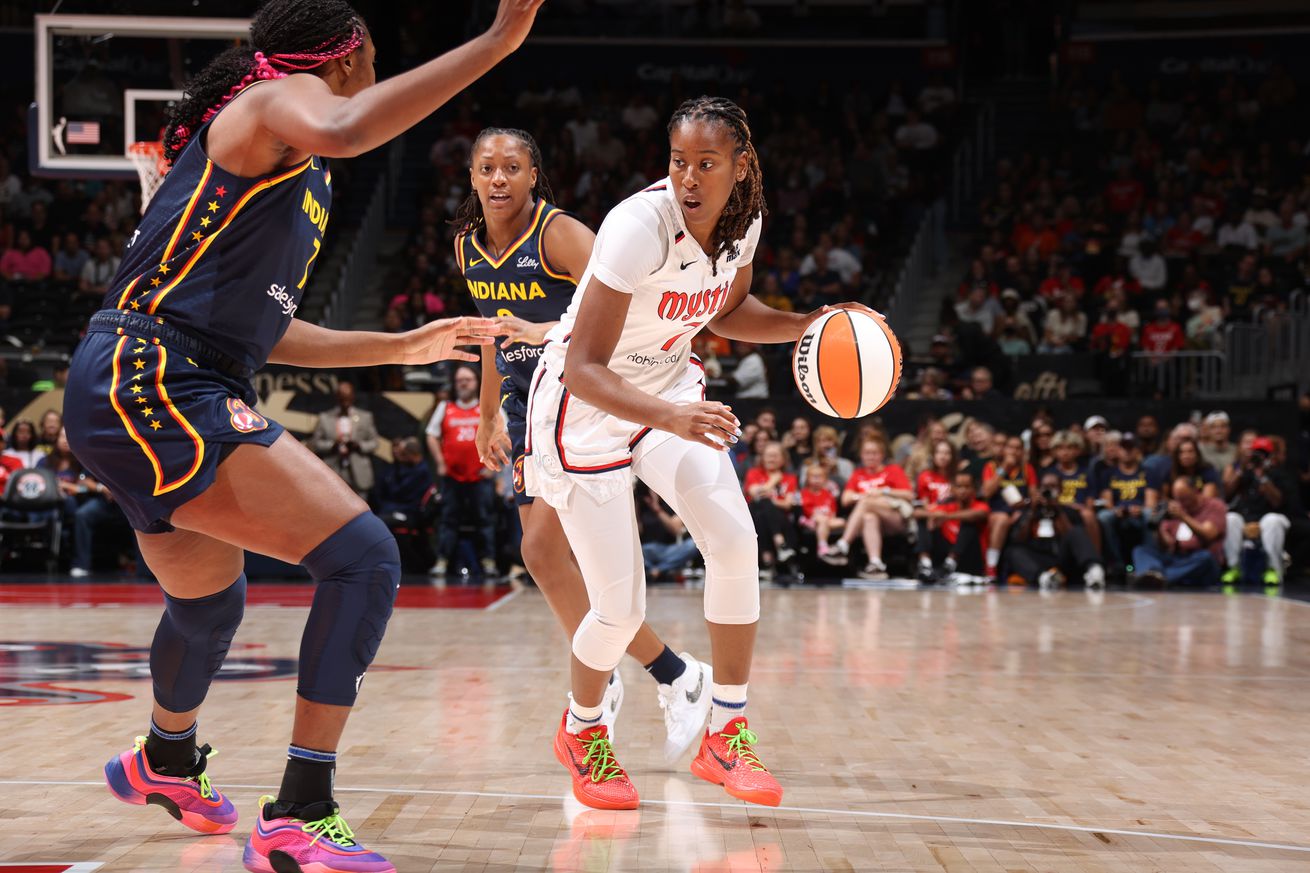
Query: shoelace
[[740, 744], [202, 781], [600, 753], [333, 827]]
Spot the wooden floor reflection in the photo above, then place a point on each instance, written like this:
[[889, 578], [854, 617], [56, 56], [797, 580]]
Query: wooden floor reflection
[[912, 731]]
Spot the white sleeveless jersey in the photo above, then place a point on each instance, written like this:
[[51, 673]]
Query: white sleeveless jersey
[[644, 249]]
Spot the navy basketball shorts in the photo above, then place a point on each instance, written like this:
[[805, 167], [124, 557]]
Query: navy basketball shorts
[[153, 422], [515, 406]]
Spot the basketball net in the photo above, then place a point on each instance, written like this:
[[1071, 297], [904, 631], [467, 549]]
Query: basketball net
[[148, 158]]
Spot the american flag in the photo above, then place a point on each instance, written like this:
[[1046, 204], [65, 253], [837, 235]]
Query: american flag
[[83, 133]]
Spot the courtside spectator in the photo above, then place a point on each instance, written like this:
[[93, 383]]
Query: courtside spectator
[[1216, 446], [772, 493], [1123, 499], [1007, 483], [23, 444], [819, 506], [880, 497], [952, 534], [665, 547], [346, 438], [1189, 542], [467, 491]]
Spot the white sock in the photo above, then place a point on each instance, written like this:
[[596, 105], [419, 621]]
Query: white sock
[[993, 557], [925, 562], [582, 717], [728, 701]]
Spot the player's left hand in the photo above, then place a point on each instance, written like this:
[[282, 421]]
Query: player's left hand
[[516, 330], [437, 340]]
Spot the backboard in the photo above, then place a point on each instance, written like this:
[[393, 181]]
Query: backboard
[[105, 81]]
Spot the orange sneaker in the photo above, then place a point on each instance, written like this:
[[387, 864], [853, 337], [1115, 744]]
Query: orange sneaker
[[598, 780], [728, 758]]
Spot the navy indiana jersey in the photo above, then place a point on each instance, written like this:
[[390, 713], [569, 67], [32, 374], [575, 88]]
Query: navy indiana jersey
[[226, 258], [520, 283]]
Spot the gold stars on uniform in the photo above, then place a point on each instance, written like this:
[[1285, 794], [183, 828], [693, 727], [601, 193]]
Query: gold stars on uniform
[[155, 425], [197, 235], [213, 206], [136, 304], [163, 268], [205, 221], [147, 412], [141, 399], [139, 364], [156, 282], [137, 389], [192, 363]]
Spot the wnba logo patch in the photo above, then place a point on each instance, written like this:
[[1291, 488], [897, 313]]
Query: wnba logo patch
[[244, 419], [518, 475]]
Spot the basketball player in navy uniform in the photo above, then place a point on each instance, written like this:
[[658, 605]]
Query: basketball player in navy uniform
[[521, 257], [160, 408]]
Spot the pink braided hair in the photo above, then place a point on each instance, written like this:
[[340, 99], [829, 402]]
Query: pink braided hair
[[264, 70]]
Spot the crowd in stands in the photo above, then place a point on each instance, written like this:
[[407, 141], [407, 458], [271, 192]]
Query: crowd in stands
[[1143, 221], [1194, 504]]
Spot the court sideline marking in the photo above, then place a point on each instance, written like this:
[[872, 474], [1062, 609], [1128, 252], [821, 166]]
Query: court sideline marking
[[854, 813]]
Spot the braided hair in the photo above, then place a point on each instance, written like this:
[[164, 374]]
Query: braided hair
[[286, 36], [746, 203], [469, 217]]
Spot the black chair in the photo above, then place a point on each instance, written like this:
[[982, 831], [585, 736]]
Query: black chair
[[31, 516]]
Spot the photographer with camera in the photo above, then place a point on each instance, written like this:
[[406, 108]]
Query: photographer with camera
[[1188, 544], [1257, 496], [1049, 544]]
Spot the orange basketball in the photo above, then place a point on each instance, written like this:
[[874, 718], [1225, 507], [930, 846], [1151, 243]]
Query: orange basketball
[[847, 364]]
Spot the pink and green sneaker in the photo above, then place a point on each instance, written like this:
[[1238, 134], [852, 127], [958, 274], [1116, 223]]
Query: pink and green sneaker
[[319, 841], [190, 799]]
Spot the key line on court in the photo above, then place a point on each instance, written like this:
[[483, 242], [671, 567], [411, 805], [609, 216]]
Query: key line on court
[[764, 810], [501, 601]]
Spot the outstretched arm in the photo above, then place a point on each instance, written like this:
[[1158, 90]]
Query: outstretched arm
[[303, 113], [309, 345]]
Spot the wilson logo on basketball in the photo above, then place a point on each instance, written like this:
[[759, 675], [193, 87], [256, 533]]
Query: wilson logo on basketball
[[681, 306], [244, 419]]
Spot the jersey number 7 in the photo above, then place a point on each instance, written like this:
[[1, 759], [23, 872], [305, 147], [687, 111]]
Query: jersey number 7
[[691, 328]]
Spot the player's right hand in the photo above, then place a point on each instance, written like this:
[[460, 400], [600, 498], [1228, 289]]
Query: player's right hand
[[513, 22], [493, 444], [707, 422]]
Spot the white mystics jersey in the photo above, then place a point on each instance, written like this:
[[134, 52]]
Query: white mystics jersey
[[643, 249]]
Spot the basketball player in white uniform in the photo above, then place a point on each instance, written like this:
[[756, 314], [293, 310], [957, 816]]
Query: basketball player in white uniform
[[617, 393]]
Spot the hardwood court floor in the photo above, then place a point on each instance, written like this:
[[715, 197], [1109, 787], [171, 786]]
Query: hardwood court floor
[[912, 731]]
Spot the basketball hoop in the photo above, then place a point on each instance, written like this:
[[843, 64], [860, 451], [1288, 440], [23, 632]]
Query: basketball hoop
[[148, 158]]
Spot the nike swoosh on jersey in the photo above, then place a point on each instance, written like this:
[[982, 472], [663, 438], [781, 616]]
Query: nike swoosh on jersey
[[692, 697], [476, 261], [681, 267]]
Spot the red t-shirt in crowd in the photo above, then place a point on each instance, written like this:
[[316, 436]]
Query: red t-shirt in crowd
[[933, 487], [864, 480], [1053, 285], [787, 485], [1158, 338], [1123, 195], [457, 428], [1111, 335], [1130, 286], [815, 499], [951, 528], [8, 466]]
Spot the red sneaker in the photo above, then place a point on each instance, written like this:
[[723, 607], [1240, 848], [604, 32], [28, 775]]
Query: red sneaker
[[598, 780], [728, 758]]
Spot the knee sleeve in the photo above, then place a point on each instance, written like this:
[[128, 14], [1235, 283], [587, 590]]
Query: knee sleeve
[[358, 573], [701, 486], [191, 642], [599, 637]]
